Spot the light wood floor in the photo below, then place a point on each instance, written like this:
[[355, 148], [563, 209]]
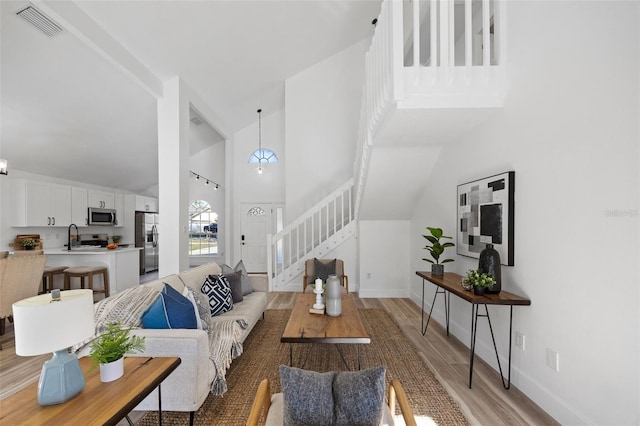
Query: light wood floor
[[486, 404]]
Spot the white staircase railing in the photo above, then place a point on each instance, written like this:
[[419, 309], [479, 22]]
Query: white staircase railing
[[315, 233], [419, 58]]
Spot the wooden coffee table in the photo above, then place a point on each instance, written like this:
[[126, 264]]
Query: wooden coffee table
[[305, 327], [98, 403]]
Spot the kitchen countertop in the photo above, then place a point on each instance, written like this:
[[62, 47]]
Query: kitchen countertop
[[90, 250]]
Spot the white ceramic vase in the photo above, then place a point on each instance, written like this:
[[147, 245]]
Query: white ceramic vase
[[112, 370]]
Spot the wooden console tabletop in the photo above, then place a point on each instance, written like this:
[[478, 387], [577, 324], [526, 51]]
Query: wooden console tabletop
[[98, 403]]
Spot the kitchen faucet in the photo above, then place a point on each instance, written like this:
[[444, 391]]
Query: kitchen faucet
[[69, 235]]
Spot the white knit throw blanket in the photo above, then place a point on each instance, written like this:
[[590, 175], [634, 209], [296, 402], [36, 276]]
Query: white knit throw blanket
[[224, 347]]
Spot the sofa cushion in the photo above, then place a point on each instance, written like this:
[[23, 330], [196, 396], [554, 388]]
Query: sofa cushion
[[194, 277], [235, 282], [170, 310], [308, 398], [217, 289], [358, 397]]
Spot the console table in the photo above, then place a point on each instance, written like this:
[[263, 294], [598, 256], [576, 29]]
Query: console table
[[451, 283], [98, 403]]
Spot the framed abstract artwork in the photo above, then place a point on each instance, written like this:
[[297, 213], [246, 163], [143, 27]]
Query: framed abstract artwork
[[485, 216]]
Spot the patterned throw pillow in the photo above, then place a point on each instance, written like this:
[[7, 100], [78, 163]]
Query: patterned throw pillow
[[202, 306], [217, 289]]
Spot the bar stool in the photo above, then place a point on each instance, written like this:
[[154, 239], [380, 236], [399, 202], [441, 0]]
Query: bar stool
[[83, 272], [47, 277]]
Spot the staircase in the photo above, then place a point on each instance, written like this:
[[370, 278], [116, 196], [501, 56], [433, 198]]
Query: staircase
[[321, 229], [432, 74]]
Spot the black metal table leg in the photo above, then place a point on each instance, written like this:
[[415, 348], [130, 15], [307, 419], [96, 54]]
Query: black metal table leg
[[433, 303], [472, 346], [159, 405]]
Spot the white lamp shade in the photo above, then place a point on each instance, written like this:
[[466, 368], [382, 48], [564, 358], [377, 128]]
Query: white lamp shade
[[42, 325]]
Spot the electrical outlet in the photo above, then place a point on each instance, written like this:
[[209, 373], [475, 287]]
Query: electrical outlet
[[553, 360], [368, 275], [519, 340]]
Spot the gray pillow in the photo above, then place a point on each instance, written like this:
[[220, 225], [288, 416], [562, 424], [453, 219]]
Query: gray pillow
[[202, 303], [358, 397], [323, 270], [307, 396], [235, 283], [246, 285]]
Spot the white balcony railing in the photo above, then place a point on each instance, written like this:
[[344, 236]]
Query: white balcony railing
[[429, 54]]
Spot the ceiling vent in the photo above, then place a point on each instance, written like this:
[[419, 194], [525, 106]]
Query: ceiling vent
[[40, 21]]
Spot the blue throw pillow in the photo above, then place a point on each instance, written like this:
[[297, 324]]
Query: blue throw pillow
[[170, 310]]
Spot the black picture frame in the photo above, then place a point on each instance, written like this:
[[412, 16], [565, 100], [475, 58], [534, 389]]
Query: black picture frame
[[486, 216]]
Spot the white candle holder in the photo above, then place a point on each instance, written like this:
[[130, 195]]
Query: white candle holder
[[318, 291]]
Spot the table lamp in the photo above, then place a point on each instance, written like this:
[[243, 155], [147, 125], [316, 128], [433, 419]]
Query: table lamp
[[52, 323]]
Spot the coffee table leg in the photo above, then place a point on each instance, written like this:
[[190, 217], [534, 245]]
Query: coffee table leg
[[290, 354]]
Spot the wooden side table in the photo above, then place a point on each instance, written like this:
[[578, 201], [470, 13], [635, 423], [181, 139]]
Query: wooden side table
[[98, 403]]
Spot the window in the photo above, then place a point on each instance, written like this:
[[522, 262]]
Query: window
[[203, 229]]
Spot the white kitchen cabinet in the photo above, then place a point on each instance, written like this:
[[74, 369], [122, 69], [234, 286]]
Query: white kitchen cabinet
[[37, 203], [146, 204], [101, 199], [119, 206], [79, 205]]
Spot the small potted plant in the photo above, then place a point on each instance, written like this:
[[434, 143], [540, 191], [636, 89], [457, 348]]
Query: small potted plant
[[436, 249], [116, 238], [108, 350], [479, 280], [29, 243]]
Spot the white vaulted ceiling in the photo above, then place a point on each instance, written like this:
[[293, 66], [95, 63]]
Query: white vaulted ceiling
[[68, 112]]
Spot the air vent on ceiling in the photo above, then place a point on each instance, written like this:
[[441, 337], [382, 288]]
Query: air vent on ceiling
[[40, 21]]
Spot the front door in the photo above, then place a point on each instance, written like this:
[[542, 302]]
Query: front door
[[255, 225]]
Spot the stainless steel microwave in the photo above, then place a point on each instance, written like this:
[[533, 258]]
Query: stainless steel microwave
[[102, 216]]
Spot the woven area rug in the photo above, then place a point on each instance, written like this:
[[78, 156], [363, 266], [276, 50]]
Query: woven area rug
[[263, 353]]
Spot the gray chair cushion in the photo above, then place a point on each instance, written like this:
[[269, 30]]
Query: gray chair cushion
[[343, 398], [358, 397], [324, 269], [308, 398]]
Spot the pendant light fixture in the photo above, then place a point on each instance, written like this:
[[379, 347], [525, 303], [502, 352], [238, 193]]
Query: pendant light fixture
[[262, 156]]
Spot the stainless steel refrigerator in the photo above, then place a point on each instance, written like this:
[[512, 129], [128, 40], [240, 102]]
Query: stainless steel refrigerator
[[147, 238]]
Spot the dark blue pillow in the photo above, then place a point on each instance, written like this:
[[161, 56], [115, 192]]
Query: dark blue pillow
[[170, 310]]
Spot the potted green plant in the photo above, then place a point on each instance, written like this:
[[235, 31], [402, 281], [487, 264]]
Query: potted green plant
[[116, 238], [108, 350], [436, 249], [29, 243], [479, 280]]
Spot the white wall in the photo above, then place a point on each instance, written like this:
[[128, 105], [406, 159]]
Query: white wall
[[322, 105], [570, 130], [247, 184], [210, 163], [384, 258]]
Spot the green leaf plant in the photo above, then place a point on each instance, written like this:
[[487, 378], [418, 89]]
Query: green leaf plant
[[113, 344], [436, 248], [479, 279]]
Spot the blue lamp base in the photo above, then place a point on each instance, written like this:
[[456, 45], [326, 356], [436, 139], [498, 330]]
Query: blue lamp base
[[61, 379]]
